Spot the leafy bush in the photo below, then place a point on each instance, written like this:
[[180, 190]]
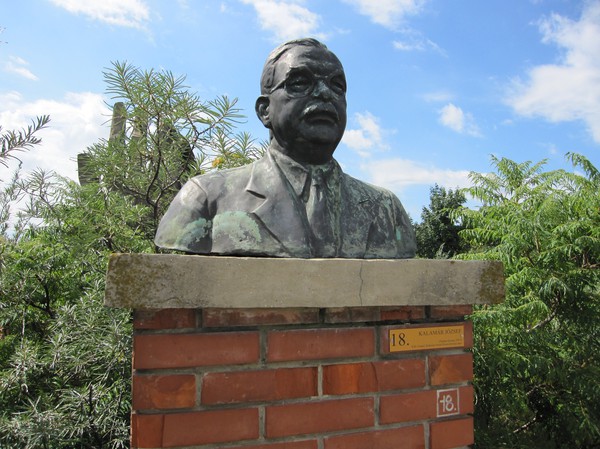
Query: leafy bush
[[537, 354]]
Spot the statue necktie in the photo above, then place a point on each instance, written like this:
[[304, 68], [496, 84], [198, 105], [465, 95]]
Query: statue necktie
[[318, 212]]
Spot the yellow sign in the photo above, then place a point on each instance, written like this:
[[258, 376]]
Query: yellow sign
[[422, 338]]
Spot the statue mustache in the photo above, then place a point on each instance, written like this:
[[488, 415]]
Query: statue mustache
[[321, 108]]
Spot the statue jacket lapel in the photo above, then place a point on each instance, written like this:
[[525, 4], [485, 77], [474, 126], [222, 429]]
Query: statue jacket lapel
[[279, 212]]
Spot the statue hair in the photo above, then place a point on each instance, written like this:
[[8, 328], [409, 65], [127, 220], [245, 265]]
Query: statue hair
[[266, 79]]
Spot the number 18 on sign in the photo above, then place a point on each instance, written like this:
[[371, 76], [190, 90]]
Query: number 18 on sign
[[448, 402], [424, 338]]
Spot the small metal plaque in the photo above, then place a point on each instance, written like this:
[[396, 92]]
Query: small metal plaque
[[425, 338]]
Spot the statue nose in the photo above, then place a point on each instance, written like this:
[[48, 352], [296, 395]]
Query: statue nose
[[322, 90]]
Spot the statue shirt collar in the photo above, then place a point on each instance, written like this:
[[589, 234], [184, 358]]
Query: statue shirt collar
[[297, 174]]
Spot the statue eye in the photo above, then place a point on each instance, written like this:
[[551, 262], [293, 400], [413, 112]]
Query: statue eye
[[299, 84], [338, 85]]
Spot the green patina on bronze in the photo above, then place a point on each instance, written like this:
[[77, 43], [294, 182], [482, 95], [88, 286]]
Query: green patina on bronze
[[194, 231]]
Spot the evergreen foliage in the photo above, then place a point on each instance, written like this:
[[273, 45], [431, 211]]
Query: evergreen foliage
[[537, 354], [65, 359]]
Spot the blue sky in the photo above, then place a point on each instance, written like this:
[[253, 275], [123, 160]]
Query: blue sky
[[434, 86]]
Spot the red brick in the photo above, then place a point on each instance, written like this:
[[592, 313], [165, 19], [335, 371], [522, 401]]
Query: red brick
[[258, 317], [305, 444], [450, 312], [209, 427], [146, 431], [265, 385], [322, 416], [164, 392], [451, 434], [351, 314], [312, 344], [403, 437], [408, 407], [420, 405], [467, 400], [373, 376], [190, 350], [164, 319], [450, 369], [468, 334], [405, 313]]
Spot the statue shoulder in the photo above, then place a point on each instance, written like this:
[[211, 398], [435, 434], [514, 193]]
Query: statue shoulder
[[218, 176], [366, 189], [220, 181], [187, 223]]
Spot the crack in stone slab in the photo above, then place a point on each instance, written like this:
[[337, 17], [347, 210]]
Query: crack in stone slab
[[362, 281]]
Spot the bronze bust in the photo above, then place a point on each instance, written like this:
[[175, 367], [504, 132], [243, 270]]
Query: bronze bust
[[295, 201]]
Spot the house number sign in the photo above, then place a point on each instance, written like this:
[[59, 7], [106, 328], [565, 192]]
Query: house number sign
[[427, 338]]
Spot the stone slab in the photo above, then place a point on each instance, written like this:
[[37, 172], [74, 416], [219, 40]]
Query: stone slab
[[157, 281]]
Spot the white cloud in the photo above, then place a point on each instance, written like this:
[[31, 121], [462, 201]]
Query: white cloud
[[356, 140], [388, 13], [456, 119], [19, 66], [368, 135], [127, 13], [414, 42], [409, 46], [570, 89], [397, 174], [439, 96], [76, 122], [286, 19], [452, 117]]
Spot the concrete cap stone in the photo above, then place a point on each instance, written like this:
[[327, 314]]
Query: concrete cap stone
[[158, 281]]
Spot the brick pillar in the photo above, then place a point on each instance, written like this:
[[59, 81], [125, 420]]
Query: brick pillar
[[366, 377]]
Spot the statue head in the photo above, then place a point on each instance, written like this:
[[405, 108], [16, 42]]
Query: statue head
[[303, 100]]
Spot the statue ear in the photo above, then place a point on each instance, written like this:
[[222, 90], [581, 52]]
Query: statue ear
[[262, 110]]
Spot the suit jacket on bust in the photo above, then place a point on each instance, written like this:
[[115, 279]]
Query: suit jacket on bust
[[253, 211]]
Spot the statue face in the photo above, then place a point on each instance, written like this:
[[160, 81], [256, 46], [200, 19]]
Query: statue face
[[306, 107]]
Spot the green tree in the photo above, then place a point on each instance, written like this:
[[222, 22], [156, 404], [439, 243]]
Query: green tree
[[24, 139], [65, 361], [438, 232], [162, 134], [11, 142], [537, 354]]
